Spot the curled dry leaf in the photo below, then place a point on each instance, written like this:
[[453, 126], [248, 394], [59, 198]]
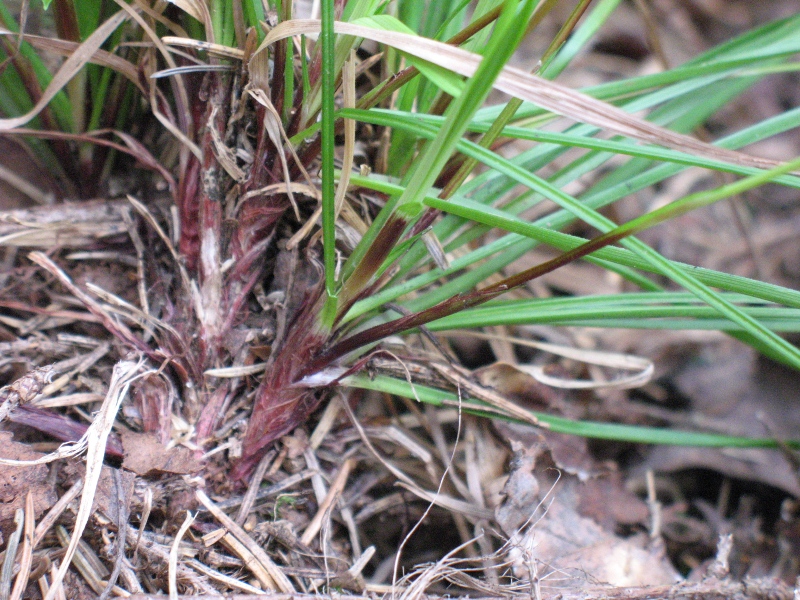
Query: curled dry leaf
[[641, 369], [569, 452]]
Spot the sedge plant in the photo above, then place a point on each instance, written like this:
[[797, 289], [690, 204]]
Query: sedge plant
[[259, 108]]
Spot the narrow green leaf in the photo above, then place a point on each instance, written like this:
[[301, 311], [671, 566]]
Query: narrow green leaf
[[441, 77], [604, 431], [327, 156], [438, 151], [790, 354]]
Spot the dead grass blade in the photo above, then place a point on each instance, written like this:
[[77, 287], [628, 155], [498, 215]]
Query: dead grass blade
[[215, 49], [55, 512], [147, 507], [157, 14], [547, 94], [455, 505], [199, 10], [26, 559], [224, 154], [400, 475], [82, 55], [249, 497], [85, 561], [324, 508], [11, 553], [181, 93], [235, 372], [281, 582], [416, 590], [324, 425], [100, 57], [45, 587], [71, 367], [123, 375], [71, 226], [153, 222], [283, 188], [462, 382], [120, 330], [250, 561], [277, 135], [131, 312], [231, 582], [173, 556]]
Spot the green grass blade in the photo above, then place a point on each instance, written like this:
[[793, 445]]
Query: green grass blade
[[397, 119], [579, 39], [589, 429], [790, 355], [509, 248], [327, 159], [437, 152], [650, 310], [535, 231]]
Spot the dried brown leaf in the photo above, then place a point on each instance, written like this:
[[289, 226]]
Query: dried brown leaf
[[15, 481], [82, 55], [550, 539], [145, 454], [100, 57]]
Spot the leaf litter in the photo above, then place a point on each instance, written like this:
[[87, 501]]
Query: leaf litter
[[153, 511]]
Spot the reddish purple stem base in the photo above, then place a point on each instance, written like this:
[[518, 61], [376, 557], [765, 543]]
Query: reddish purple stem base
[[280, 404]]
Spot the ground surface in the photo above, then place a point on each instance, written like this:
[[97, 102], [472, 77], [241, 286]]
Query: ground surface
[[376, 493]]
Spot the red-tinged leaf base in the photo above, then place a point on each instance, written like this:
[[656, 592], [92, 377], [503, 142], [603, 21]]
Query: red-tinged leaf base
[[281, 404]]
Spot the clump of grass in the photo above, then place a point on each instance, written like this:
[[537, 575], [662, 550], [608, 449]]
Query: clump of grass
[[254, 123]]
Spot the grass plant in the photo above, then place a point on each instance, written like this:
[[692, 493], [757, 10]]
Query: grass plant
[[243, 119]]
